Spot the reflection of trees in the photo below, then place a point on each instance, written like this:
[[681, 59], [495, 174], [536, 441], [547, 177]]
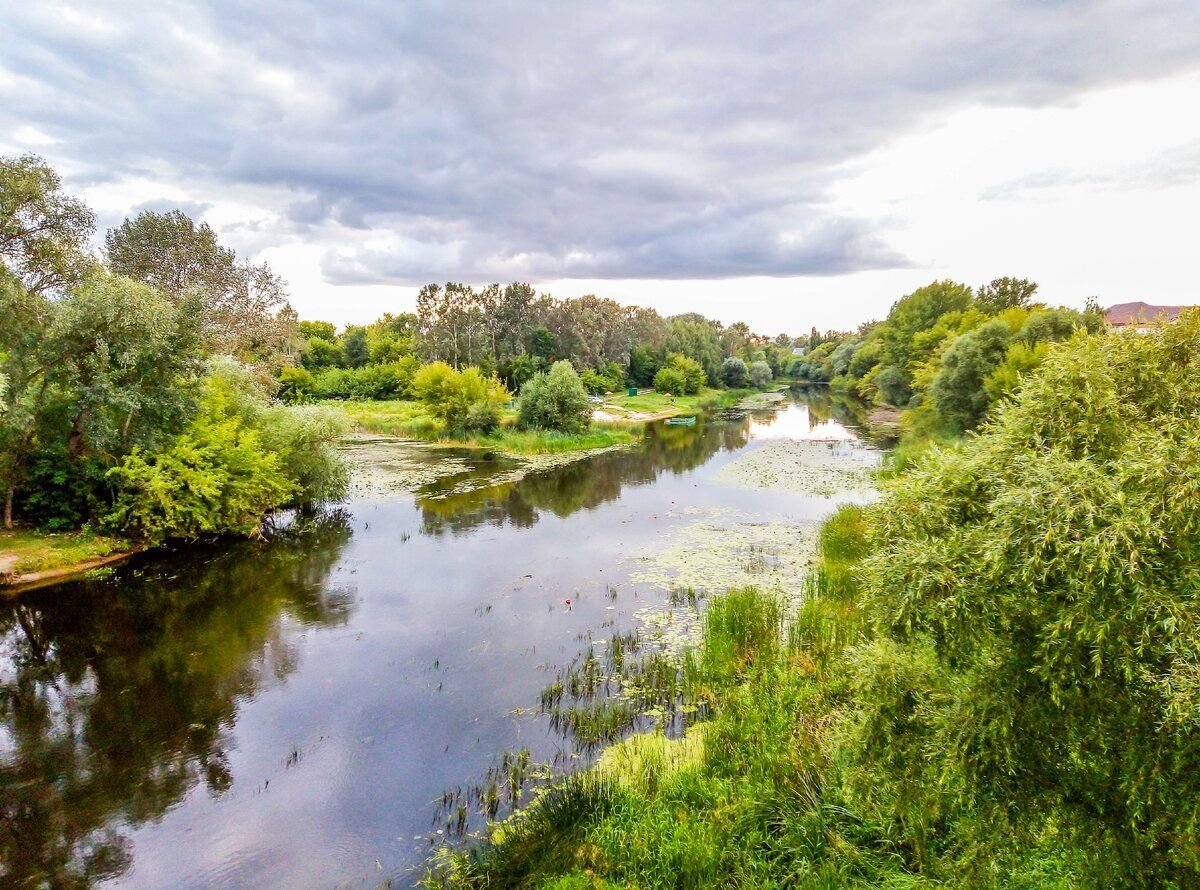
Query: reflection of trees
[[851, 412], [584, 484], [116, 698]]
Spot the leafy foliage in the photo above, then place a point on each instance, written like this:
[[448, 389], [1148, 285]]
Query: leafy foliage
[[734, 372], [43, 233], [760, 374], [465, 401], [218, 476], [1034, 599], [555, 400]]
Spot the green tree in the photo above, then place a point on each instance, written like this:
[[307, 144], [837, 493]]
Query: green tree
[[243, 306], [1005, 293], [958, 392], [734, 372], [319, 353], [103, 369], [555, 400], [355, 352], [760, 374], [670, 380], [644, 362], [43, 233]]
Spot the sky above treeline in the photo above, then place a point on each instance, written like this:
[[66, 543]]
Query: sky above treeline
[[789, 165]]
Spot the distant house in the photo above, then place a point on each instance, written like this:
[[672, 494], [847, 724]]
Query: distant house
[[798, 350], [1139, 316]]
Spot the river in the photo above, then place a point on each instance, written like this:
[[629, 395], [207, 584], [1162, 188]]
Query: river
[[291, 713]]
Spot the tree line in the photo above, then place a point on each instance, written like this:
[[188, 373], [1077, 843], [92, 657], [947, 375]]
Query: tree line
[[513, 333], [946, 353]]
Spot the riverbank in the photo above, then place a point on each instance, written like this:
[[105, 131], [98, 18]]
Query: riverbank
[[29, 558], [411, 420], [650, 405]]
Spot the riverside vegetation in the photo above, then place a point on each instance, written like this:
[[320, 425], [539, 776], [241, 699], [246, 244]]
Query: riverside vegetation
[[169, 392], [992, 679]]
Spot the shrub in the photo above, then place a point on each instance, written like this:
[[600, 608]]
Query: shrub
[[734, 372], [670, 380], [465, 401], [555, 400], [760, 374], [303, 437], [1033, 593], [215, 478], [296, 384]]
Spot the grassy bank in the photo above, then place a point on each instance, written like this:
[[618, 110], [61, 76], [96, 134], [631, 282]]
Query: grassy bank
[[24, 552], [654, 405], [411, 420]]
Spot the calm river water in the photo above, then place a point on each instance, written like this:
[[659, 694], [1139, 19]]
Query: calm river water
[[290, 713]]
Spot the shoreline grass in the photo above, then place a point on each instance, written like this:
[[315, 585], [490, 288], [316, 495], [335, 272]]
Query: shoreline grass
[[27, 552], [655, 405]]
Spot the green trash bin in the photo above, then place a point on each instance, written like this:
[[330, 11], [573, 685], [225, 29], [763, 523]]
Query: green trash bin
[[633, 390]]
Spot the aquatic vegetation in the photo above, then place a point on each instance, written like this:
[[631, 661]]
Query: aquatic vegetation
[[821, 469]]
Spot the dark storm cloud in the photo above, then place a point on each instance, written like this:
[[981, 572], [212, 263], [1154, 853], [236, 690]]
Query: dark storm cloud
[[556, 140]]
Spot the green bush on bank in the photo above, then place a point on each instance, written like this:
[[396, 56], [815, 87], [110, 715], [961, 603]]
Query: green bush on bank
[[555, 400], [237, 460]]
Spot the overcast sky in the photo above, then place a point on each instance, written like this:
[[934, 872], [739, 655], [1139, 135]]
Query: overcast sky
[[788, 164]]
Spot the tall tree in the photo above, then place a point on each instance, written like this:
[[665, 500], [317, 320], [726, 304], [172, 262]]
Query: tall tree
[[43, 233], [1005, 293], [243, 306], [102, 369]]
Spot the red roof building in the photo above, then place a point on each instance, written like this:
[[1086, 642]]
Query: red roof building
[[1140, 315]]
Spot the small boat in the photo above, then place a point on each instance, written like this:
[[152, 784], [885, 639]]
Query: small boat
[[682, 421]]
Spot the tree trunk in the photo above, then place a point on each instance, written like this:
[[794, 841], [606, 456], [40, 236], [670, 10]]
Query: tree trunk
[[8, 502]]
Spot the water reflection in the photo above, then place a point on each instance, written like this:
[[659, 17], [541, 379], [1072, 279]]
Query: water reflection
[[118, 696], [586, 484]]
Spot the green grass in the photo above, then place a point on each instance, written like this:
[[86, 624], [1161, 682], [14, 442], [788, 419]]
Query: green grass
[[24, 551], [660, 405], [411, 420]]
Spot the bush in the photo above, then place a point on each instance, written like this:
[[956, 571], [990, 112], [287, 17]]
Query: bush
[[304, 438], [760, 374], [1033, 594], [694, 376], [371, 382], [734, 372], [217, 477], [296, 385], [893, 385], [555, 400], [466, 401], [670, 380]]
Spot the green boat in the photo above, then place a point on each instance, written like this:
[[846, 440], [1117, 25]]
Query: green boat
[[681, 421]]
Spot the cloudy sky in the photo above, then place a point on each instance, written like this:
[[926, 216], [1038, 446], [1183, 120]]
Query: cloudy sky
[[788, 165]]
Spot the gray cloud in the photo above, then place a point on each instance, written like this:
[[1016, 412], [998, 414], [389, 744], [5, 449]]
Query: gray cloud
[[607, 140]]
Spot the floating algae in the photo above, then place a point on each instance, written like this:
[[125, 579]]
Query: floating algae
[[818, 468], [721, 551]]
